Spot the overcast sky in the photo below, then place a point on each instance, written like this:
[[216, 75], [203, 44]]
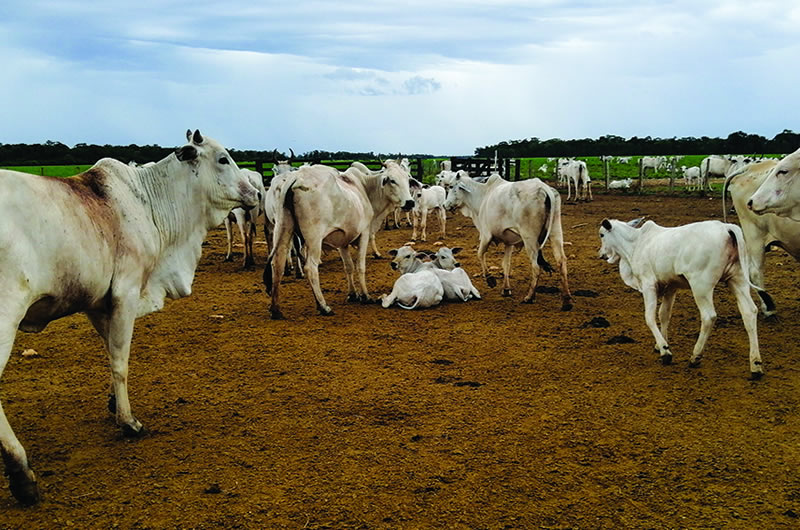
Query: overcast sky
[[438, 77]]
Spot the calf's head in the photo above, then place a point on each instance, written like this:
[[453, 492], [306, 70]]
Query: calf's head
[[406, 259], [616, 238], [445, 258]]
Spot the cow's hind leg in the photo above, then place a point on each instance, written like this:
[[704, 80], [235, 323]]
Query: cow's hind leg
[[533, 253], [708, 315], [508, 251], [21, 479], [665, 312], [349, 272], [313, 259]]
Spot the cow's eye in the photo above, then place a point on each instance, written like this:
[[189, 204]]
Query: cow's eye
[[223, 160]]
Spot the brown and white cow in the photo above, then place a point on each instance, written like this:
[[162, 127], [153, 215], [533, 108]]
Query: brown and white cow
[[333, 210], [521, 213], [760, 231], [112, 243]]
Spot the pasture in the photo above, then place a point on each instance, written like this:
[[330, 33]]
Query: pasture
[[488, 414]]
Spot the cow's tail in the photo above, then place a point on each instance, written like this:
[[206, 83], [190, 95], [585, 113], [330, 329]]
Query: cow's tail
[[728, 179], [287, 203], [737, 240], [549, 215], [414, 306]]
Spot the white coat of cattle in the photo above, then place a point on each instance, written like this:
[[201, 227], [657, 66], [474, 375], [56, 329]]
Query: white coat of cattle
[[576, 173], [657, 261], [760, 231], [281, 174], [524, 214], [779, 193], [112, 243], [328, 209], [721, 167], [623, 184], [415, 290], [652, 162], [691, 177], [246, 220], [456, 285], [427, 199]]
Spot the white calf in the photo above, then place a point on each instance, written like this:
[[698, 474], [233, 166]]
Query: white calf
[[455, 281], [425, 200], [657, 261], [623, 184]]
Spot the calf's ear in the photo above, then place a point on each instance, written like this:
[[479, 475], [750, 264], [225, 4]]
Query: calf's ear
[[605, 224], [456, 250], [393, 252]]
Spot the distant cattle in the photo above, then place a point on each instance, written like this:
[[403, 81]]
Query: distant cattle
[[657, 261], [620, 184], [656, 163], [576, 173], [428, 199], [521, 213], [246, 220], [329, 209], [691, 177], [113, 243]]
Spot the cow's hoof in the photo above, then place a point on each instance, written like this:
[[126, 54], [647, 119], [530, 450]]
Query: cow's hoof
[[491, 281], [133, 431], [566, 306], [112, 404], [325, 311], [528, 300], [506, 292], [377, 256], [228, 258], [25, 490], [756, 376], [694, 364], [666, 359], [275, 314], [351, 298]]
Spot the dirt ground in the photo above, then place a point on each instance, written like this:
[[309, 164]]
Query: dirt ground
[[488, 414]]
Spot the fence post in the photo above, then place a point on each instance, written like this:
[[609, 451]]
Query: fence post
[[641, 176], [673, 167], [605, 170]]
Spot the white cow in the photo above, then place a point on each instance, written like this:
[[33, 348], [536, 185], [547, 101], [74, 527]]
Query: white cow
[[427, 199], [691, 177], [112, 243], [281, 171], [760, 231], [576, 173], [544, 169], [522, 213], [721, 167], [655, 163], [657, 261], [779, 193], [415, 290], [620, 184], [246, 220], [456, 285], [623, 159], [332, 210]]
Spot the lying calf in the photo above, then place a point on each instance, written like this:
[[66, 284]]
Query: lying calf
[[658, 261], [455, 282], [415, 290]]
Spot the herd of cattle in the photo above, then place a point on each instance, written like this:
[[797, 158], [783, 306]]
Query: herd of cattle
[[115, 241]]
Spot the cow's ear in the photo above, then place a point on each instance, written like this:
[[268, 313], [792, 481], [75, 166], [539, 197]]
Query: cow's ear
[[456, 250], [606, 224], [197, 138], [188, 134], [422, 255], [393, 252]]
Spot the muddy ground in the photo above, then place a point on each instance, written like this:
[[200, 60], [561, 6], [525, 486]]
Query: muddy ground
[[488, 414]]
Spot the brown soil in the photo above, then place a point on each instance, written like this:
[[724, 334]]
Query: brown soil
[[488, 414]]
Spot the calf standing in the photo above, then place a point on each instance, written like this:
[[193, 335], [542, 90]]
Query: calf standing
[[425, 200], [658, 261]]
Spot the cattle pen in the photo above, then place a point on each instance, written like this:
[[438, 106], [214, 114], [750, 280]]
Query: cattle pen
[[489, 413]]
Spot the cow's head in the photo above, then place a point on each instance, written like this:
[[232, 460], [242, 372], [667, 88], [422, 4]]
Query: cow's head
[[395, 183], [217, 176], [616, 238], [404, 259], [780, 191], [445, 258], [456, 194]]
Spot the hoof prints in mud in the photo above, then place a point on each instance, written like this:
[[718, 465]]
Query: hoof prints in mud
[[620, 339], [456, 381], [586, 293], [547, 290], [596, 322]]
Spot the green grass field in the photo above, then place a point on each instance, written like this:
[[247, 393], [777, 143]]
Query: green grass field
[[50, 171]]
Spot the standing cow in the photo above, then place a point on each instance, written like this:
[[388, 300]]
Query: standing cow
[[521, 213], [657, 261], [112, 243], [326, 208]]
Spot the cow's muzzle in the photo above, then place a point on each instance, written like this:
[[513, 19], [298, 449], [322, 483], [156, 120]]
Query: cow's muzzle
[[408, 205]]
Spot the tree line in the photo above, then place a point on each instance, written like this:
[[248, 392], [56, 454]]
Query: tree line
[[57, 153], [736, 143]]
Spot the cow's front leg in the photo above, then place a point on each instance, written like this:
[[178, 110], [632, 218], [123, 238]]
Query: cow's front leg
[[423, 221], [118, 342], [349, 268], [650, 307], [483, 245]]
